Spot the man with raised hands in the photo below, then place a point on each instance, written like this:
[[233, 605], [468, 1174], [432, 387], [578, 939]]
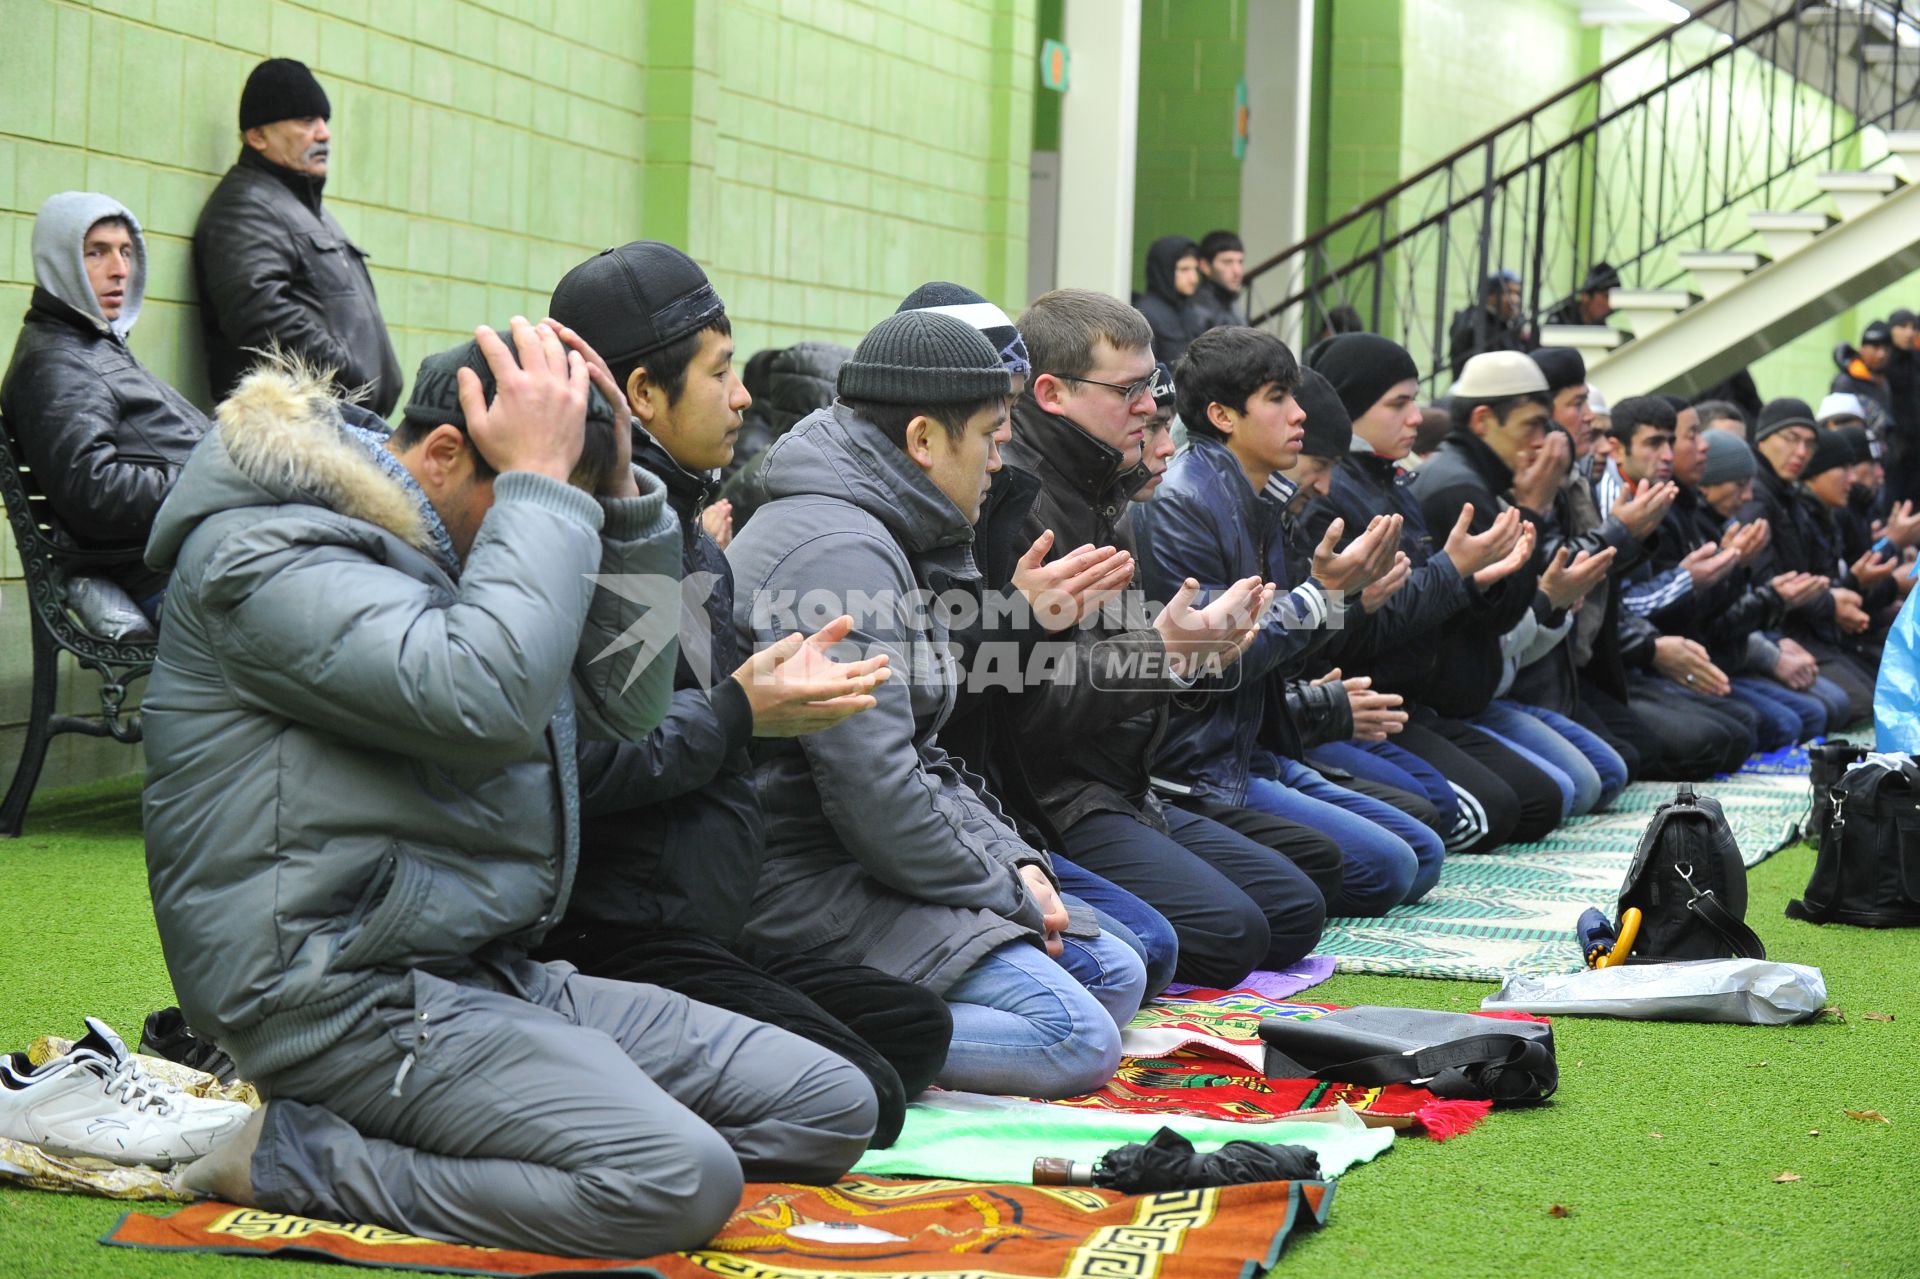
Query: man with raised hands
[[1499, 795], [362, 811]]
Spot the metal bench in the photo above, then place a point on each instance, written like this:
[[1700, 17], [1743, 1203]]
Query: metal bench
[[48, 564]]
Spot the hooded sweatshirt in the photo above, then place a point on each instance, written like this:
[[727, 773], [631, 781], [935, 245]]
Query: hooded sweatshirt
[[59, 266], [1855, 378], [104, 437], [1175, 320]]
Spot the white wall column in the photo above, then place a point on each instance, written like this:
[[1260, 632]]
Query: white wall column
[[1099, 118], [1273, 175]]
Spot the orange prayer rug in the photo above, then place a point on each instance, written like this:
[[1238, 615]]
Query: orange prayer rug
[[862, 1226]]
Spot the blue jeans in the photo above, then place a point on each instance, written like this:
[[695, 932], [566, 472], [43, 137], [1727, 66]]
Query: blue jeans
[[1780, 722], [1024, 1027], [1609, 770], [1834, 698], [1547, 761], [1142, 927], [1806, 706], [1391, 857], [1390, 764], [1819, 709]]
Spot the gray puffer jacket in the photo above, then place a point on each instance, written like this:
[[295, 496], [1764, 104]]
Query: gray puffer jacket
[[882, 849], [360, 756]]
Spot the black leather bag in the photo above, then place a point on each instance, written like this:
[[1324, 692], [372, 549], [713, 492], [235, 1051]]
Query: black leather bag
[[1454, 1055], [1868, 870], [1827, 763], [1690, 885]]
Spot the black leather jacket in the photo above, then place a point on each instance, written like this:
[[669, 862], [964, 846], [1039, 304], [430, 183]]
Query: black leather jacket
[[105, 438], [1087, 736], [273, 267]]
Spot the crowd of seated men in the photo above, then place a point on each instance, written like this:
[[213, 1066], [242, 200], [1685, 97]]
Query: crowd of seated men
[[553, 855]]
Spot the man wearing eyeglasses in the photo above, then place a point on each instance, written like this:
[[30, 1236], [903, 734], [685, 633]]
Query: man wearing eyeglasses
[[1086, 731]]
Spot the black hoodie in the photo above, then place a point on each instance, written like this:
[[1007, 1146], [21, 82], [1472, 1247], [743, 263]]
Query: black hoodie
[[1175, 320]]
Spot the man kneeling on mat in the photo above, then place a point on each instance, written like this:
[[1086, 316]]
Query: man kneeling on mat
[[361, 811]]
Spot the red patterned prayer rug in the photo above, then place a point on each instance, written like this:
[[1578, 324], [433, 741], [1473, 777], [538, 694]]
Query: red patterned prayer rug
[[863, 1226], [1196, 1054]]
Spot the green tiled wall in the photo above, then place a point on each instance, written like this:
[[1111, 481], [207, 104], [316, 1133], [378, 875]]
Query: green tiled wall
[[822, 157], [853, 152], [1187, 181]]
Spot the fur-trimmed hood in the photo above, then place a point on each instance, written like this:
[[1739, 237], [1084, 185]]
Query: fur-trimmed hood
[[280, 440]]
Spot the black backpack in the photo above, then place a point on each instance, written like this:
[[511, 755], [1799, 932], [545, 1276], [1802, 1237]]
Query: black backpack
[[1690, 885], [1868, 870]]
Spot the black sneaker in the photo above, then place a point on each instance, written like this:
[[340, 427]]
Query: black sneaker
[[166, 1035]]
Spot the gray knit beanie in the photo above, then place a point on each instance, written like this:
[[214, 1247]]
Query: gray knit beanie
[[921, 358], [1729, 460]]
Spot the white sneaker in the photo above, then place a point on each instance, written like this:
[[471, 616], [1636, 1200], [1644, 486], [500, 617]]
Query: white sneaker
[[96, 1100]]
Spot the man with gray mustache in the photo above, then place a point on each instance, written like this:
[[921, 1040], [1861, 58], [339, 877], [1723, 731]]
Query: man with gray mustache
[[272, 266]]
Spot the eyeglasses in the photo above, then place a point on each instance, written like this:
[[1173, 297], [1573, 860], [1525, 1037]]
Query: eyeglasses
[[1158, 382]]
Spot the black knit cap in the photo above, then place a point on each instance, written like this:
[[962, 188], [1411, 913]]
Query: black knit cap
[[1563, 365], [435, 399], [1857, 441], [923, 358], [281, 89], [1901, 318], [1329, 426], [1877, 334], [631, 301], [1830, 451], [1362, 367], [1777, 415]]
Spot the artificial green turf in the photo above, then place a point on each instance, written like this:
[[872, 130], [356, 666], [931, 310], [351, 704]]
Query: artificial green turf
[[1663, 1142]]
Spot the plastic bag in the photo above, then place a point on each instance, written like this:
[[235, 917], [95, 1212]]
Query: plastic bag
[[104, 609], [1747, 992], [1896, 694]]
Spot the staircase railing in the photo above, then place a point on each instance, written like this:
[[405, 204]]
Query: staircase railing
[[1662, 150]]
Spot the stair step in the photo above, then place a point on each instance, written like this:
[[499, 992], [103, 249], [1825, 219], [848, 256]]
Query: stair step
[[1715, 273], [1885, 54], [1648, 310], [1878, 181], [1582, 337], [1705, 260], [1784, 232], [1904, 141], [1855, 191], [1651, 299], [1774, 220]]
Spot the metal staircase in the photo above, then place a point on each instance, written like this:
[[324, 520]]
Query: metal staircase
[[1745, 172]]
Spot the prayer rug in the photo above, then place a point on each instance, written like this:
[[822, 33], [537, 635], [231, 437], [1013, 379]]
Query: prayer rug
[[1200, 1054], [1513, 911], [863, 1226], [984, 1138], [1283, 984]]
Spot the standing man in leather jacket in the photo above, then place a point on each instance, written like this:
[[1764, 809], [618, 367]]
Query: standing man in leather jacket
[[105, 438], [272, 266]]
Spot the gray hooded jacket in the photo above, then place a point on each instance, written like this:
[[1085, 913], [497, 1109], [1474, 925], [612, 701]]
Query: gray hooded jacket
[[361, 756], [105, 438], [882, 849]]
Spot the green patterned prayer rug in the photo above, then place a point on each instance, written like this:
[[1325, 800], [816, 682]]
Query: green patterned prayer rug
[[1513, 911]]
